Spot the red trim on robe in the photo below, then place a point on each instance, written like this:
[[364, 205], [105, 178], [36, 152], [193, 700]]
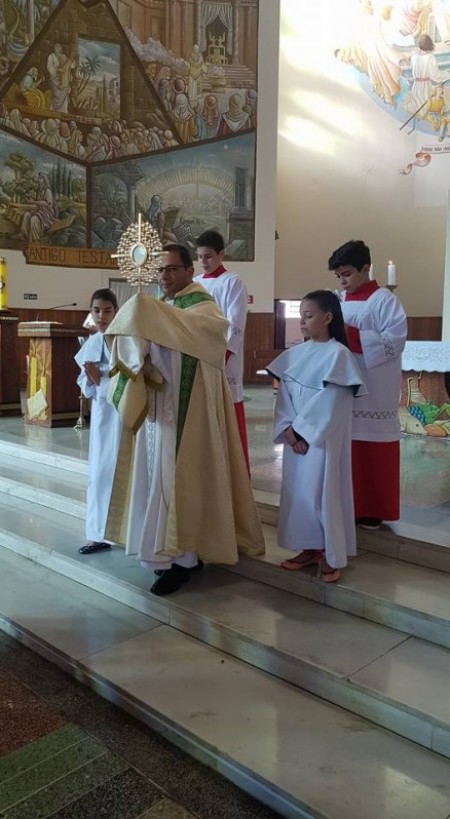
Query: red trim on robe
[[376, 479], [361, 294], [228, 353], [216, 273], [242, 426]]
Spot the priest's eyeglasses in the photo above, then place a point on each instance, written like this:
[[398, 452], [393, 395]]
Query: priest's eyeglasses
[[171, 268]]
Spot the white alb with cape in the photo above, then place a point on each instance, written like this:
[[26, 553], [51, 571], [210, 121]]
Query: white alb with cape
[[317, 384], [104, 437]]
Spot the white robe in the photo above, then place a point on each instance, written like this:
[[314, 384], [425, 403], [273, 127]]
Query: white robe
[[154, 468], [382, 325], [315, 396], [425, 72], [230, 294], [104, 437]]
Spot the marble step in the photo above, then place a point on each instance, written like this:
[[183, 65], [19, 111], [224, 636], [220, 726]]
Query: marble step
[[406, 548], [45, 484], [380, 589], [400, 541], [36, 451], [396, 681], [302, 757]]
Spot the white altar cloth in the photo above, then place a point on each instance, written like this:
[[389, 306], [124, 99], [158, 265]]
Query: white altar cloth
[[427, 356]]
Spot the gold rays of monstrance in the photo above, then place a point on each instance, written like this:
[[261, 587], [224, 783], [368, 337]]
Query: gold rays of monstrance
[[139, 254]]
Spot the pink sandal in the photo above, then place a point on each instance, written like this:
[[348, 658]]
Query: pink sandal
[[311, 557], [329, 575]]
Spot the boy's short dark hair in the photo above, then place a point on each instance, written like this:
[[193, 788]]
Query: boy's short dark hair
[[354, 253], [212, 239], [183, 252]]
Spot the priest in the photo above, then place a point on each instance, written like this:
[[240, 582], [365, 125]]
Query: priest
[[376, 330], [182, 491]]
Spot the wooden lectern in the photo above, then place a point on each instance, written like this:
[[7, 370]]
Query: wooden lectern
[[9, 365], [53, 396]]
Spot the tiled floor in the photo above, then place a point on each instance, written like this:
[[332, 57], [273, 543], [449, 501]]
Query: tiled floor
[[65, 753]]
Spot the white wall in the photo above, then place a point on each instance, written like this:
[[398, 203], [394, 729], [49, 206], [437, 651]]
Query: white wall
[[339, 157], [55, 285]]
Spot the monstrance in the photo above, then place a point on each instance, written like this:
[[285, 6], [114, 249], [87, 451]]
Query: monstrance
[[138, 254]]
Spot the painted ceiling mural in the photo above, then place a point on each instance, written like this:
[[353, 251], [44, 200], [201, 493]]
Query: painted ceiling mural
[[107, 109], [401, 50]]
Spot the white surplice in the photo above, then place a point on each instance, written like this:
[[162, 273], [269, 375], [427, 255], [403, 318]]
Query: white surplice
[[315, 397], [230, 294], [104, 437], [382, 325]]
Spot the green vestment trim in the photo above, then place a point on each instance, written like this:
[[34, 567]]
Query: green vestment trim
[[120, 386], [188, 363]]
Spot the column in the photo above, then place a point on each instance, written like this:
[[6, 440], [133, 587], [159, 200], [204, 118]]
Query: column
[[185, 27], [197, 22], [131, 196], [236, 58], [30, 19]]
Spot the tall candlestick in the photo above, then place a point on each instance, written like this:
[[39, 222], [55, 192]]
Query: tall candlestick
[[3, 285], [392, 273]]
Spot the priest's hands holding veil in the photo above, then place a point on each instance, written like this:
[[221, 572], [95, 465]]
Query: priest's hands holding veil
[[295, 441]]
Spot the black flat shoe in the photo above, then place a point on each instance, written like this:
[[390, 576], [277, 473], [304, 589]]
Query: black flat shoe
[[92, 548], [170, 581], [196, 568]]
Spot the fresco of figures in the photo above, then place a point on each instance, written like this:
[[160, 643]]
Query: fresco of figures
[[99, 84], [42, 198], [181, 194], [402, 51]]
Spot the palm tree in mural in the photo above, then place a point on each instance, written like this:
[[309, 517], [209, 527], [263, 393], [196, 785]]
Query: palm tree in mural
[[88, 68]]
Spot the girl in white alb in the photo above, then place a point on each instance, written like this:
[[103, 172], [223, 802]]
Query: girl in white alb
[[313, 417]]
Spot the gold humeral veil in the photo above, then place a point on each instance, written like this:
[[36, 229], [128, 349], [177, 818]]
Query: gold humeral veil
[[211, 510]]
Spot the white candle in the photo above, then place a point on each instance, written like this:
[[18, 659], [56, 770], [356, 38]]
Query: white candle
[[392, 273], [371, 271]]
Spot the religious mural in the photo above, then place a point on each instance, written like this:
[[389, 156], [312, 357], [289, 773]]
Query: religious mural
[[401, 50], [113, 107]]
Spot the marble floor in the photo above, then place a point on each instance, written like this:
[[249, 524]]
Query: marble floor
[[425, 465]]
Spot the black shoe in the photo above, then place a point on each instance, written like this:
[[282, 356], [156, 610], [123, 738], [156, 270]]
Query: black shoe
[[170, 580], [92, 548], [196, 568], [369, 523]]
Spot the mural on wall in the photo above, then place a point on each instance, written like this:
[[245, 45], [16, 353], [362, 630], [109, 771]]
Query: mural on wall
[[85, 86], [401, 50], [181, 193], [42, 197]]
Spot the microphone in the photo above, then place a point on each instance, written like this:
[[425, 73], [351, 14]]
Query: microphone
[[57, 307]]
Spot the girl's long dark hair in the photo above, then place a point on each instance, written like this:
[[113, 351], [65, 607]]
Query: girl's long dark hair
[[328, 302]]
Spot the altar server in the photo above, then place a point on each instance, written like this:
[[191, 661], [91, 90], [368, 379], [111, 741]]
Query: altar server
[[376, 331], [104, 434], [313, 416], [229, 292]]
